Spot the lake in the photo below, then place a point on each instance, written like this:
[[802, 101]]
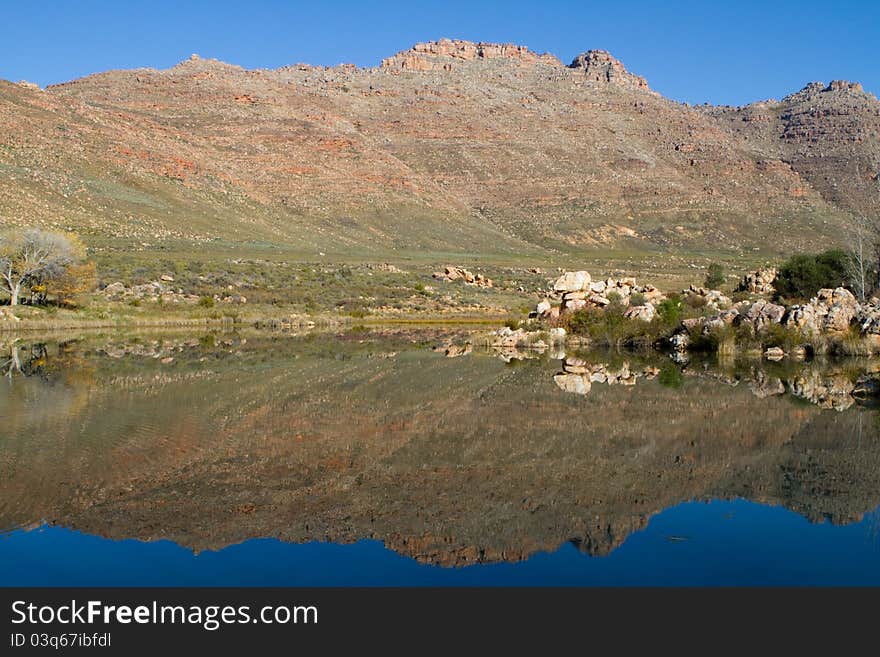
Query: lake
[[403, 456]]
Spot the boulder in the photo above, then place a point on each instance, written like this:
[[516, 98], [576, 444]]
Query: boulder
[[572, 281], [761, 314], [115, 288], [574, 305], [644, 313]]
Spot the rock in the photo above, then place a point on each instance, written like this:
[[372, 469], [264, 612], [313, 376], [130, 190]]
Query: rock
[[544, 307], [600, 67], [572, 296], [557, 335], [803, 318], [644, 313], [573, 281], [712, 299], [166, 278], [774, 353], [761, 314], [446, 54], [115, 288], [451, 273], [838, 318], [599, 300], [577, 384], [574, 305], [758, 282]]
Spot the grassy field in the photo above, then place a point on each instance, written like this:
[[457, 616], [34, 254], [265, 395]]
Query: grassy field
[[284, 283]]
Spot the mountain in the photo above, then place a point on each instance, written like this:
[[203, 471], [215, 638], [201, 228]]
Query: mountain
[[448, 146]]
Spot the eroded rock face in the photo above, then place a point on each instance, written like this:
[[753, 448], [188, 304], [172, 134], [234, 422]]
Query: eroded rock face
[[442, 55], [600, 66], [761, 314]]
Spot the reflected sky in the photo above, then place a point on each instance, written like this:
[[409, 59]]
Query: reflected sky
[[718, 543]]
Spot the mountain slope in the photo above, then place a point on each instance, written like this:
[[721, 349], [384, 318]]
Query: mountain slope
[[449, 146]]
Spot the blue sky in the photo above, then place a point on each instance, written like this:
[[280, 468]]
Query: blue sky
[[719, 52]]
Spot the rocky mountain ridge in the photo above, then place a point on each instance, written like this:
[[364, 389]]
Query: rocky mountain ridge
[[451, 145]]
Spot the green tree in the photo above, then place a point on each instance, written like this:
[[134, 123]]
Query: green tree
[[801, 276]]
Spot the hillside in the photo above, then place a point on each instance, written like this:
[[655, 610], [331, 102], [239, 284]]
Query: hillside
[[448, 147]]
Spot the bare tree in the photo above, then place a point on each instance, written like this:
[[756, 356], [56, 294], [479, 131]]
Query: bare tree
[[864, 233], [33, 255]]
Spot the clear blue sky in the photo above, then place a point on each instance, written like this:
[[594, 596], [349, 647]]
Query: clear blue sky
[[689, 50]]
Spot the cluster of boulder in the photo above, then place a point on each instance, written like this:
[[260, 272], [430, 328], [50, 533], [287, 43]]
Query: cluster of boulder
[[701, 296], [831, 311], [161, 291], [451, 273], [578, 375], [575, 290], [758, 282]]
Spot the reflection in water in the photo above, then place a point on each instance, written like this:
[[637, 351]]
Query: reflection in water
[[451, 461]]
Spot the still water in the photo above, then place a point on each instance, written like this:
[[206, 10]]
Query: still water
[[401, 457]]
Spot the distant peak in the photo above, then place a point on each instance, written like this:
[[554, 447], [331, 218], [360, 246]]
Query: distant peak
[[445, 53], [814, 88], [600, 66], [844, 85], [198, 63]]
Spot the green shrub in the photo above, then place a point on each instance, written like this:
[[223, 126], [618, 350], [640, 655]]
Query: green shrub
[[512, 324], [803, 275], [206, 301], [637, 299], [776, 335], [669, 311], [714, 276]]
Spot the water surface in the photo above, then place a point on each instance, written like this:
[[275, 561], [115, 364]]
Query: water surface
[[408, 458]]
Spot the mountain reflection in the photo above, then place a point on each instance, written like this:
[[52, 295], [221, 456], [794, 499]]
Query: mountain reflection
[[211, 440]]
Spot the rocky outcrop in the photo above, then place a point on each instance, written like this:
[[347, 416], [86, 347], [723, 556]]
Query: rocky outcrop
[[443, 55], [451, 273], [760, 315], [701, 296], [830, 311], [600, 66], [758, 282], [576, 290]]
